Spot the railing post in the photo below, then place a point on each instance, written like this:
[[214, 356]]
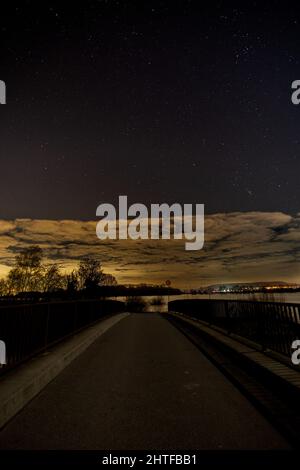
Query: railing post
[[75, 316], [261, 324], [227, 317], [47, 326]]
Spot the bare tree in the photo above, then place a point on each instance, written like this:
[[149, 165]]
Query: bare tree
[[72, 281], [4, 287], [108, 280], [28, 271], [52, 279], [89, 273], [29, 274]]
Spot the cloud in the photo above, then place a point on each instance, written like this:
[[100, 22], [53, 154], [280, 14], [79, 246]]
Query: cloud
[[238, 247]]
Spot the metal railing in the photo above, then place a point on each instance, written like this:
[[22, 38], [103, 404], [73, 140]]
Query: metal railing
[[30, 329], [272, 325]]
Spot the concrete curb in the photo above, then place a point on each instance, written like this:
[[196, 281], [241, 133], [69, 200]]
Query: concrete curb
[[270, 385], [23, 384], [267, 368]]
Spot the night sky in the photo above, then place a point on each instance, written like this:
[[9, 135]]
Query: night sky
[[161, 101], [175, 101]]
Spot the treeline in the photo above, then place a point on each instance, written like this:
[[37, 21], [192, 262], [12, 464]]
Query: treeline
[[31, 275], [30, 278]]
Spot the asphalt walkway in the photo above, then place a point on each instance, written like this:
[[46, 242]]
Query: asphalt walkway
[[142, 385]]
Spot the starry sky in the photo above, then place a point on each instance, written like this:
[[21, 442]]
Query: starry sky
[[164, 101]]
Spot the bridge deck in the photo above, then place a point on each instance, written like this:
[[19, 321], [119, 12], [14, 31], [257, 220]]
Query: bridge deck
[[142, 385]]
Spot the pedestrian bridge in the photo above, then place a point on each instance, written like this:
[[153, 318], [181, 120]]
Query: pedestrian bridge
[[149, 381]]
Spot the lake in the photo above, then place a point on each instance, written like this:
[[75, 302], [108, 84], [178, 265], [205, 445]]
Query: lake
[[292, 297]]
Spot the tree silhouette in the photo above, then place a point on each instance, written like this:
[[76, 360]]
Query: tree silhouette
[[72, 282], [52, 279], [90, 273], [28, 271], [29, 274], [108, 280]]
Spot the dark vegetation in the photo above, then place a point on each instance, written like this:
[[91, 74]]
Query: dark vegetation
[[31, 280]]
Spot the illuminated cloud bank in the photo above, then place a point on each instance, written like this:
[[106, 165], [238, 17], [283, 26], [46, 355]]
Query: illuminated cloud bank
[[248, 246]]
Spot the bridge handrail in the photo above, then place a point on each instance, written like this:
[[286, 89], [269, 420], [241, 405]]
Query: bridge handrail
[[29, 329], [272, 325]]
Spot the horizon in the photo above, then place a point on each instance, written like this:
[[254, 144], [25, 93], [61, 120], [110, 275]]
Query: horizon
[[266, 243]]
